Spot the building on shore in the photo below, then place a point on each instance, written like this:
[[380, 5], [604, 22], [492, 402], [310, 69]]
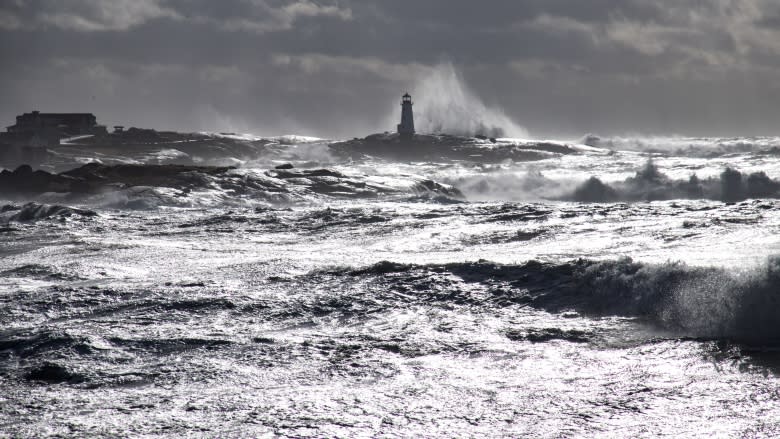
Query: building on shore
[[26, 141], [64, 124], [406, 127], [38, 129]]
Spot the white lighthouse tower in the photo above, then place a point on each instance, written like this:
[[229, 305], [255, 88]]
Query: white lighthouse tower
[[406, 127]]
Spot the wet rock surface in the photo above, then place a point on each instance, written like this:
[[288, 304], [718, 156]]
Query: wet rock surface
[[442, 147], [34, 211], [136, 145], [94, 177], [277, 185], [51, 373]]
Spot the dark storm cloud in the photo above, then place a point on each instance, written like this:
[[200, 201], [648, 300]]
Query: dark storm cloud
[[336, 67]]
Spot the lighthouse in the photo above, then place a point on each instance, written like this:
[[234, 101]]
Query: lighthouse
[[406, 127]]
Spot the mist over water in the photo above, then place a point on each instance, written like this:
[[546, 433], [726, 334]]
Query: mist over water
[[512, 185], [444, 103], [685, 146], [305, 293], [213, 229]]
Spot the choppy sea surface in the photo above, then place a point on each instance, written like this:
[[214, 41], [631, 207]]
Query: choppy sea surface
[[514, 311]]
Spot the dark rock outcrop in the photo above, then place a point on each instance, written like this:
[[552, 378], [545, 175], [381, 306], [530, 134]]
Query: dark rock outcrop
[[442, 147], [276, 185], [144, 146], [52, 373], [24, 180], [35, 211], [96, 177]]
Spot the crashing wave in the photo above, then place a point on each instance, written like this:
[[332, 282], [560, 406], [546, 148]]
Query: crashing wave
[[34, 212], [445, 104], [650, 184], [690, 301], [687, 146], [149, 186]]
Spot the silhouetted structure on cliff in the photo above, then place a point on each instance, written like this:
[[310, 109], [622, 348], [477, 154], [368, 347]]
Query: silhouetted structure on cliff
[[27, 140], [406, 127], [61, 124]]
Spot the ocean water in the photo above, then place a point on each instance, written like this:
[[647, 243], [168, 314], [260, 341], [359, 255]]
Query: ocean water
[[528, 307]]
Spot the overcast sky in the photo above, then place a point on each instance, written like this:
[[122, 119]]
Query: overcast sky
[[560, 68]]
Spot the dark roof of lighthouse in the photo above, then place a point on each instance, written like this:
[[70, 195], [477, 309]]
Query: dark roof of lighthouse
[[406, 95]]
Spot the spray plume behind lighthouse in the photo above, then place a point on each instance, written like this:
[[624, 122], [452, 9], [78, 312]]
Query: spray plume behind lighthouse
[[446, 105]]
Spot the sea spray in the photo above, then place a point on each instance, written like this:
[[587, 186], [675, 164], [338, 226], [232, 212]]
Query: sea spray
[[443, 103], [706, 147], [692, 301]]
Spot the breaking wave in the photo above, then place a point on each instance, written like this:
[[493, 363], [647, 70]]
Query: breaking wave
[[703, 302], [151, 186], [35, 212], [650, 184], [687, 146], [531, 185], [445, 104]]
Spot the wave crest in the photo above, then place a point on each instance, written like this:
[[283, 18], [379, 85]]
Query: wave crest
[[702, 302], [650, 184], [687, 146]]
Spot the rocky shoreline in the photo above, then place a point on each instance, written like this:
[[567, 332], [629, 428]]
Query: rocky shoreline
[[443, 147], [94, 177], [283, 185]]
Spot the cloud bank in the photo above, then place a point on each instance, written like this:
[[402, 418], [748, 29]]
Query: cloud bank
[[337, 67]]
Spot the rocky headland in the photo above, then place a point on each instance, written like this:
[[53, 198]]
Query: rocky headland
[[283, 185], [443, 147]]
